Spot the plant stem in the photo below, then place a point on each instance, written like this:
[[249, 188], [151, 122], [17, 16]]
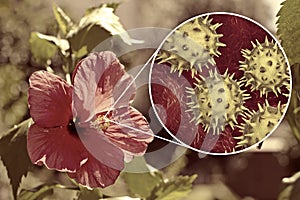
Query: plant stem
[[43, 190], [16, 127], [294, 127], [68, 78], [67, 187], [49, 69]]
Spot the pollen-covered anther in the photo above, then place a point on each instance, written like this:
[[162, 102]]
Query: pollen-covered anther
[[265, 68], [101, 123], [216, 101], [192, 46], [259, 124]]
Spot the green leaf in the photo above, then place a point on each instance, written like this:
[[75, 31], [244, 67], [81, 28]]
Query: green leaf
[[89, 36], [142, 184], [37, 193], [122, 198], [288, 26], [41, 48], [286, 193], [110, 5], [62, 44], [138, 164], [104, 16], [174, 189], [64, 21], [81, 52], [295, 193], [86, 194], [113, 5], [97, 25], [176, 167], [292, 191], [13, 152]]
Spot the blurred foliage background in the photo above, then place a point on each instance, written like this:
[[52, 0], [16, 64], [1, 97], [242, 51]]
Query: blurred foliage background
[[18, 19], [256, 174]]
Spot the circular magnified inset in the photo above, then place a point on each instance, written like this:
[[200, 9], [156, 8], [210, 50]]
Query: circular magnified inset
[[220, 83]]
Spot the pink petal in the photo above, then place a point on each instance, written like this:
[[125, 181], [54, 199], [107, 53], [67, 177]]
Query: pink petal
[[49, 99], [57, 148], [121, 130], [101, 148], [99, 80], [95, 174]]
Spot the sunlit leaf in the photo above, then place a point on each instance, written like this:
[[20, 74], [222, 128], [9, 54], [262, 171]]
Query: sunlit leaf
[[13, 152], [37, 193], [105, 17], [109, 5], [97, 25], [173, 189], [288, 26], [64, 21], [62, 44], [142, 184], [41, 49]]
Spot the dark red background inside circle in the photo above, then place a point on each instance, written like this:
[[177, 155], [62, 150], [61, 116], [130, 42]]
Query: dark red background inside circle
[[237, 35]]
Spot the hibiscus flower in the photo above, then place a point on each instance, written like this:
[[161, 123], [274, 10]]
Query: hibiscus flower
[[89, 128]]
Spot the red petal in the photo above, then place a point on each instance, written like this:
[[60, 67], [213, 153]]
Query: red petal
[[99, 80], [121, 132], [49, 99], [214, 143], [95, 174], [101, 148], [56, 148]]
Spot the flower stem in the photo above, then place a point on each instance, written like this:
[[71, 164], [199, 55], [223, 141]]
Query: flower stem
[[67, 187], [49, 69], [294, 127], [68, 78], [73, 181], [16, 127], [38, 194]]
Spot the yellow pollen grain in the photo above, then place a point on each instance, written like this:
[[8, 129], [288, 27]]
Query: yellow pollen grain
[[101, 123]]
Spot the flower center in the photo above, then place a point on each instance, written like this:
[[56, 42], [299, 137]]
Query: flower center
[[101, 123]]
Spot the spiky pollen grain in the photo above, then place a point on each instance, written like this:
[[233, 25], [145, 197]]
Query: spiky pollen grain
[[192, 46], [259, 124], [265, 68], [216, 101]]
